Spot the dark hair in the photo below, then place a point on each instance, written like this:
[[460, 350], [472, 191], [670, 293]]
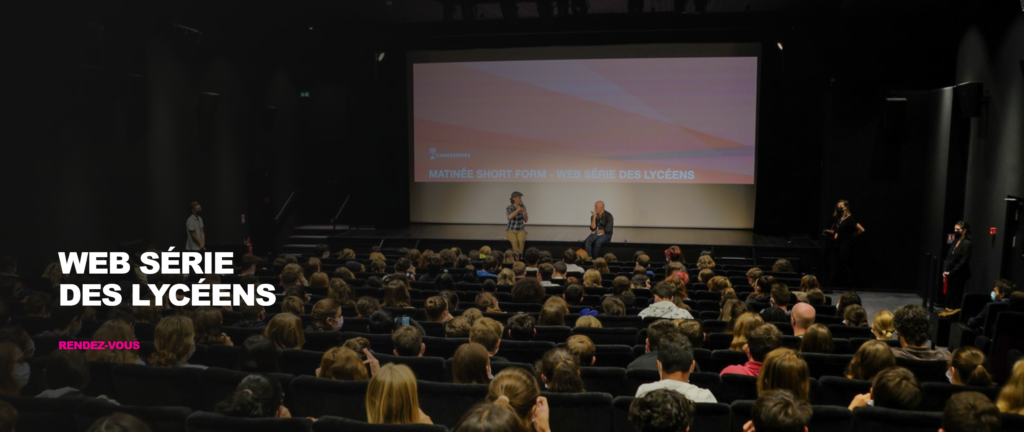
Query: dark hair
[[675, 353], [569, 256], [613, 306], [970, 412], [116, 422], [381, 322], [912, 323], [366, 305], [662, 410], [848, 298], [761, 340], [258, 354], [855, 316], [444, 282], [531, 256], [408, 341], [322, 311], [561, 370], [639, 280], [402, 265], [896, 388], [817, 339], [469, 364], [546, 271], [520, 326], [452, 298], [664, 290], [972, 366], [573, 294], [782, 265], [966, 227], [780, 410], [780, 295], [657, 330], [9, 416], [1005, 287], [66, 368], [257, 396], [528, 290], [37, 303], [694, 330], [491, 417], [470, 275], [815, 297], [490, 263]]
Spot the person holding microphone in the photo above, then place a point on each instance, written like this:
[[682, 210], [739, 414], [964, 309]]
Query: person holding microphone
[[601, 224], [517, 218]]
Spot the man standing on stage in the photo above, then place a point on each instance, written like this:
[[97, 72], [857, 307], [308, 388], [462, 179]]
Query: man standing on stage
[[196, 240], [517, 219], [601, 224]]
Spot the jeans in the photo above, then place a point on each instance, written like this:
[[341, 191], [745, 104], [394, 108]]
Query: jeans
[[593, 244], [517, 238]]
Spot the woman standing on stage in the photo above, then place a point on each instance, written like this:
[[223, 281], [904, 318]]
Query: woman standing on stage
[[956, 269], [841, 235], [517, 219]]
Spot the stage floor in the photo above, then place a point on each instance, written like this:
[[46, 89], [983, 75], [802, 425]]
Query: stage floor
[[552, 233]]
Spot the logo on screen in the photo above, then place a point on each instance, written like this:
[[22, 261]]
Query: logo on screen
[[435, 155], [432, 151]]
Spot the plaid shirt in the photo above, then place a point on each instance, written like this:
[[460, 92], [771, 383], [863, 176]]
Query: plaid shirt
[[516, 223]]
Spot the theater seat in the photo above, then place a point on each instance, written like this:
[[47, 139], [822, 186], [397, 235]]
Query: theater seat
[[495, 368], [885, 419], [322, 341], [580, 411], [211, 422], [1012, 422], [618, 356], [826, 364], [840, 391], [523, 351], [724, 357], [737, 387], [425, 368], [158, 386], [222, 356], [101, 380], [628, 321], [925, 370], [219, 383], [442, 347], [718, 341], [316, 397], [553, 334], [934, 394], [43, 414], [159, 419], [299, 362], [445, 403], [823, 418], [609, 336], [611, 380], [848, 332], [338, 424]]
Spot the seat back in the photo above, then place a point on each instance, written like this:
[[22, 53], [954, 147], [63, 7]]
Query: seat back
[[137, 384], [620, 414], [322, 341], [935, 395], [220, 383], [609, 336], [1006, 337], [628, 321], [839, 391], [445, 403], [300, 362], [211, 422], [826, 364], [873, 418], [737, 387], [315, 397], [38, 414], [718, 341], [101, 380], [335, 424], [925, 370], [159, 419], [523, 351], [618, 356], [848, 332], [611, 380], [720, 359], [425, 368], [1012, 422], [445, 347], [580, 411], [240, 334], [553, 334]]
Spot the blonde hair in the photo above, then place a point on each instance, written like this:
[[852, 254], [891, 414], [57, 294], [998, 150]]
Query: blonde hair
[[588, 321], [705, 262], [174, 337], [718, 283], [285, 331], [349, 254], [582, 347], [592, 278], [391, 397], [485, 251], [744, 324], [784, 369], [519, 387], [1011, 398], [113, 330], [343, 364], [506, 277], [882, 326]]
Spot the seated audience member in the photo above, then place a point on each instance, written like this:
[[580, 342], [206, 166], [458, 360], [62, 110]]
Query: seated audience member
[[521, 327], [855, 316], [655, 331], [784, 369], [487, 332], [519, 389], [782, 265], [815, 297], [491, 417], [731, 310], [486, 302], [1011, 397], [553, 314], [343, 364], [693, 330], [519, 270], [809, 282], [14, 369], [366, 306], [612, 306], [664, 307], [801, 318], [293, 305], [391, 397], [761, 340], [116, 422], [443, 282], [458, 327], [968, 366], [573, 295], [1000, 294], [588, 321], [528, 290], [643, 261], [341, 292], [848, 298], [719, 283], [452, 299], [559, 371], [66, 374], [912, 325], [319, 280], [544, 273], [471, 365], [408, 342], [705, 275], [883, 327], [583, 348], [174, 338], [358, 345], [627, 298], [38, 303], [506, 277], [779, 300], [208, 322], [252, 317], [560, 269], [779, 411], [285, 331], [436, 309], [762, 290], [620, 285], [258, 354], [114, 330], [396, 294], [662, 411], [970, 412], [894, 388], [592, 279], [871, 358], [257, 396], [66, 321], [640, 282], [744, 324], [753, 274], [675, 363], [434, 266], [817, 339]]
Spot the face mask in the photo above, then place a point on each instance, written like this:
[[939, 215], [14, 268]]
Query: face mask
[[338, 324], [22, 373], [871, 402], [993, 293], [31, 349], [949, 376], [841, 210], [199, 212], [844, 322], [489, 376]]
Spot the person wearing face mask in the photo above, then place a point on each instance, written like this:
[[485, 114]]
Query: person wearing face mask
[[839, 237], [66, 321], [956, 269], [196, 240], [1000, 293], [174, 338], [326, 316], [14, 369]]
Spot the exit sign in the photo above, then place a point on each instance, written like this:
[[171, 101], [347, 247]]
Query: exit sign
[[304, 94]]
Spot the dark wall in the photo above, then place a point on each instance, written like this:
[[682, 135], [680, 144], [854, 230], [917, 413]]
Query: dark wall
[[990, 52]]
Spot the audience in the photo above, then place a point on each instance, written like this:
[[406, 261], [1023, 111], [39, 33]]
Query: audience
[[762, 289], [521, 327], [408, 342], [675, 363], [761, 340], [517, 388], [912, 325], [1000, 294], [471, 364], [1011, 397], [559, 371], [65, 321], [817, 339], [847, 299], [662, 411], [252, 317], [258, 354], [693, 330], [458, 327], [815, 297], [583, 348], [894, 388], [343, 364], [664, 307], [391, 397], [114, 330], [285, 331], [744, 324], [871, 358], [487, 332], [174, 339], [588, 321], [855, 316], [66, 375], [655, 331], [436, 309], [801, 318], [779, 300], [784, 369], [883, 327], [490, 417], [257, 396], [968, 366], [528, 290], [970, 412], [779, 411]]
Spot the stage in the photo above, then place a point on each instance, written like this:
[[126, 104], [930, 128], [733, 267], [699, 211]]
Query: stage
[[738, 244]]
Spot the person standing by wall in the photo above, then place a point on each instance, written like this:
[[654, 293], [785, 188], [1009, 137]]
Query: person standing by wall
[[956, 269], [196, 240]]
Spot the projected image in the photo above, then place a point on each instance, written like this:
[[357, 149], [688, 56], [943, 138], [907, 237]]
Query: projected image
[[644, 120]]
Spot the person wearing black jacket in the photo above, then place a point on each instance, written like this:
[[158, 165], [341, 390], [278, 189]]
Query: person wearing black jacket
[[1000, 293], [956, 269], [840, 237]]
